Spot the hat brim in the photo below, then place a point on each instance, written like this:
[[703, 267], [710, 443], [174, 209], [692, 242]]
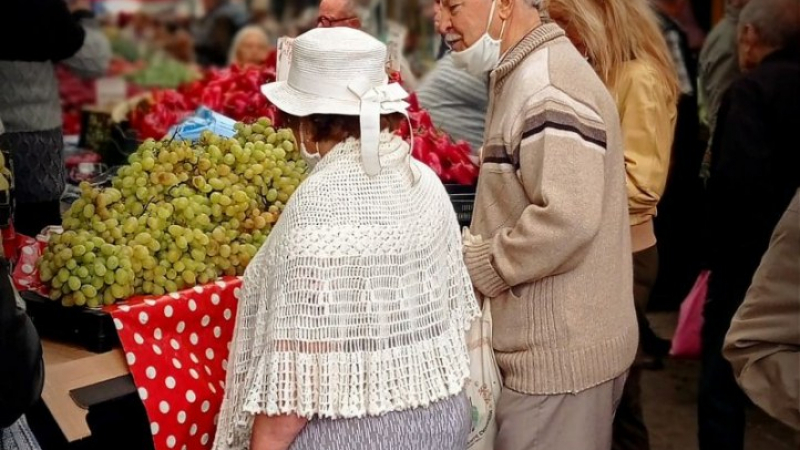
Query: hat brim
[[301, 104]]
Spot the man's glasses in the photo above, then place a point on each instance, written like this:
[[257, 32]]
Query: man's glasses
[[327, 22]]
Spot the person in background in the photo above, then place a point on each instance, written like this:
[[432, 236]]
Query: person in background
[[180, 46], [259, 10], [250, 47], [622, 40], [763, 344], [678, 43], [338, 13], [455, 99], [754, 175], [30, 107], [345, 13], [677, 227], [261, 15], [549, 242], [214, 33], [718, 67], [695, 33]]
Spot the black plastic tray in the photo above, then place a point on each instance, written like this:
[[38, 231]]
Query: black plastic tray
[[92, 329], [463, 200]]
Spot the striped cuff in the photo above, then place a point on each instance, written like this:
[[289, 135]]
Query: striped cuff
[[485, 278]]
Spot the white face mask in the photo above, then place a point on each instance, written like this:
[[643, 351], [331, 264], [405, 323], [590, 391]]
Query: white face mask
[[310, 159], [482, 56]]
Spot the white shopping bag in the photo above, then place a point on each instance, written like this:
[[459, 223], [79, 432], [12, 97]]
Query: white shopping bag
[[484, 384]]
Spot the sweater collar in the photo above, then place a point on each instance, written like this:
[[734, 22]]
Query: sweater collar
[[538, 37]]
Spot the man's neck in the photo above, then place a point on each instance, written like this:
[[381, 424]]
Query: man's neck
[[524, 20]]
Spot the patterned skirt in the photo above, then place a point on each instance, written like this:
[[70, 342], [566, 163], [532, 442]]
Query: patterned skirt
[[18, 437], [445, 425], [37, 161]]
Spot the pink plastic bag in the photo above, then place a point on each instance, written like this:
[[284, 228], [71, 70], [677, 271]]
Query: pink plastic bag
[[687, 343]]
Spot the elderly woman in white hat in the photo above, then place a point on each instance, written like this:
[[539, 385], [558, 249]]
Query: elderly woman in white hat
[[350, 333]]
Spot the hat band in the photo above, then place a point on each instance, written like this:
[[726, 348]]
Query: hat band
[[373, 101]]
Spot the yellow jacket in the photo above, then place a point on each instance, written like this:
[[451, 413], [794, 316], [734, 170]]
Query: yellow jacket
[[647, 112]]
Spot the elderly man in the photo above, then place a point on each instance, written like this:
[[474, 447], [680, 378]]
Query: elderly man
[[754, 174], [338, 13], [550, 240], [718, 66], [456, 100]]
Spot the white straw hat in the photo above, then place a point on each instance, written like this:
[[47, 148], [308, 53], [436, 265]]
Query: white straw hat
[[340, 71]]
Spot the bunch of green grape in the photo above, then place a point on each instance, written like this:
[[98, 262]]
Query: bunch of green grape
[[178, 215]]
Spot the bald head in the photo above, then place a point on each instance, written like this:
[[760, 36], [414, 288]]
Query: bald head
[[338, 13], [337, 7], [766, 26]]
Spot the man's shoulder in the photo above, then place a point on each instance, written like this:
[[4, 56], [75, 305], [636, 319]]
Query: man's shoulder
[[572, 83], [721, 37], [775, 73]]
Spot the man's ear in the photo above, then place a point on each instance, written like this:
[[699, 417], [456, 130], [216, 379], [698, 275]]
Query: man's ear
[[504, 8], [748, 36]]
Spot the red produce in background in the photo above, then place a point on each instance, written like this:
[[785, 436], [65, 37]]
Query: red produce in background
[[234, 92], [76, 92], [450, 160]]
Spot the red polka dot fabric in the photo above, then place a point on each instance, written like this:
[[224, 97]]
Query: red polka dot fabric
[[177, 348], [26, 270]]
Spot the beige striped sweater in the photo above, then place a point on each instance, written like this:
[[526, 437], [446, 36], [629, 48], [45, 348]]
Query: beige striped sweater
[[552, 211]]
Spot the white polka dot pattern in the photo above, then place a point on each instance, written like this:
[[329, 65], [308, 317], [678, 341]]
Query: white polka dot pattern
[[173, 346]]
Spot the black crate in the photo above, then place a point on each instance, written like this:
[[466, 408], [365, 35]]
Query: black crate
[[123, 141], [463, 199], [95, 128], [92, 329]]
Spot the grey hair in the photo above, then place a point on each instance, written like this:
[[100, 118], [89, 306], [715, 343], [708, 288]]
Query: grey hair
[[777, 22], [243, 33]]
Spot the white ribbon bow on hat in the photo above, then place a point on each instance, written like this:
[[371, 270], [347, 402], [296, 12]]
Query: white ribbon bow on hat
[[376, 100]]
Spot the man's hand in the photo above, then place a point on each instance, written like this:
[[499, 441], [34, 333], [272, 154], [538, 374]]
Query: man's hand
[[470, 239]]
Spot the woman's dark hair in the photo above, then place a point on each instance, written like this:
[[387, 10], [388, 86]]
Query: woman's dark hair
[[337, 127]]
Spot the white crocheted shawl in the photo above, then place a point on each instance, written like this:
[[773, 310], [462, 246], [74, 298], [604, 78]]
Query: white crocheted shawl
[[358, 302]]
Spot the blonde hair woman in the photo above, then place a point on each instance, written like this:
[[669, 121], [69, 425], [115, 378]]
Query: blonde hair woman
[[622, 40]]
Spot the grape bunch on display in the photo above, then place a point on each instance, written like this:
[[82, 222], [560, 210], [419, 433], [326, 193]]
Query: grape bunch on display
[[178, 215]]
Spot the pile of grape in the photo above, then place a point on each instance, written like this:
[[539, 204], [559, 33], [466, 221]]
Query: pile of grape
[[179, 214]]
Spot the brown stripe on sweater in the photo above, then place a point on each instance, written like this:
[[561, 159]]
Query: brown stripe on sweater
[[566, 122], [496, 154]]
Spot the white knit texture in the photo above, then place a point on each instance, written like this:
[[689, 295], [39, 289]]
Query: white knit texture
[[357, 304]]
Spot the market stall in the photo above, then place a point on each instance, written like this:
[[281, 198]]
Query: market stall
[[146, 268]]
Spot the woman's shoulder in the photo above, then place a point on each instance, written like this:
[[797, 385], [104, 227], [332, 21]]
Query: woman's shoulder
[[639, 74], [638, 71], [639, 79]]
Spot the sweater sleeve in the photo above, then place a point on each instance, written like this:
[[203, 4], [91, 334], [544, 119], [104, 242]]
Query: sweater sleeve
[[561, 157], [647, 116], [763, 344]]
